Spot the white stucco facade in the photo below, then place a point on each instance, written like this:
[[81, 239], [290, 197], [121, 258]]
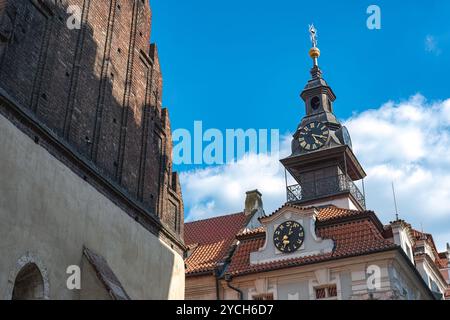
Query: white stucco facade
[[48, 214]]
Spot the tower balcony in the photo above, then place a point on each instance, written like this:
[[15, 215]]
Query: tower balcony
[[325, 187]]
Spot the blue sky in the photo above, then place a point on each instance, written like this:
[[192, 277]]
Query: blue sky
[[242, 64]]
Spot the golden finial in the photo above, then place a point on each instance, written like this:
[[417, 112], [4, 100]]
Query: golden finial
[[314, 52]]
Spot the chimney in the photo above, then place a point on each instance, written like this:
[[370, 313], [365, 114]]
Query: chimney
[[253, 202], [254, 209], [448, 251]]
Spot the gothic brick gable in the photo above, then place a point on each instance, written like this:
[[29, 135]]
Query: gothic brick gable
[[98, 89]]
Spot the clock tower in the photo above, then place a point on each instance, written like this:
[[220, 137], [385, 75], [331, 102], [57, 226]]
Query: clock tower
[[322, 161]]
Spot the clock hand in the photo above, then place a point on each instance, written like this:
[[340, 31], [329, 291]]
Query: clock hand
[[318, 136], [285, 241], [290, 231], [317, 141]]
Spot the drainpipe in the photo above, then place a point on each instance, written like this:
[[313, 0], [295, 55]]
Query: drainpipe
[[217, 275], [228, 279]]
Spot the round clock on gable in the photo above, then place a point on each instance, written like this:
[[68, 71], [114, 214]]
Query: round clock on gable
[[289, 237], [313, 136]]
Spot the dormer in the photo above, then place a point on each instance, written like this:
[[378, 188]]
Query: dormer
[[423, 247], [403, 237], [448, 253]]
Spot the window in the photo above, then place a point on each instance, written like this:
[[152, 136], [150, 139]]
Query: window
[[263, 297], [173, 211], [328, 292], [29, 284], [409, 252], [434, 287], [315, 103]]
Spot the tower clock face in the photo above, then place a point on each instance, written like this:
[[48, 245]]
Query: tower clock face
[[289, 237], [313, 136], [346, 137]]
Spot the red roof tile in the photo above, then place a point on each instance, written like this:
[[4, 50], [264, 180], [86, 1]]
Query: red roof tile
[[214, 229], [331, 213], [354, 238], [250, 233], [287, 205], [210, 240], [438, 260], [353, 232], [327, 213]]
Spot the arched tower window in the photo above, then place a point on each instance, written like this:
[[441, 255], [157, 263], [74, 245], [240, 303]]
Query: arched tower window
[[315, 103], [29, 284]]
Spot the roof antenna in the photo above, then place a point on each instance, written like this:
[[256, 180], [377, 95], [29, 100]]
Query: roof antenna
[[395, 202], [422, 236]]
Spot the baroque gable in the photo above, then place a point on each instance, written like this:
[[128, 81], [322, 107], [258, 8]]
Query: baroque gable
[[312, 244]]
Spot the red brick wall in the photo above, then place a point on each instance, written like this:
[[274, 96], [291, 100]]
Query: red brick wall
[[98, 88]]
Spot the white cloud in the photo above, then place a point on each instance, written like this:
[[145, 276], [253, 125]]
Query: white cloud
[[432, 46], [406, 142], [221, 190]]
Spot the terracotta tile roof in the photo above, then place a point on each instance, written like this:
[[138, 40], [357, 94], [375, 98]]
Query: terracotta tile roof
[[210, 241], [249, 233], [388, 233], [353, 232], [353, 238], [419, 235], [331, 213], [442, 263], [284, 206], [439, 260], [326, 213], [428, 237]]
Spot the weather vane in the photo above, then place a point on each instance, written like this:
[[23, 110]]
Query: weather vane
[[314, 52], [313, 32]]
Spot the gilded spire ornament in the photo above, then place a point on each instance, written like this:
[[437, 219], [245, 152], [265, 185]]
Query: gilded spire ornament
[[314, 52]]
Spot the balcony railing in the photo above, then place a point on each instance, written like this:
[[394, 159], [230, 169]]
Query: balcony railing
[[325, 187]]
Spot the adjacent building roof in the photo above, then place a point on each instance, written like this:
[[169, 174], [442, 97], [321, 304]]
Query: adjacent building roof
[[209, 241], [226, 241], [328, 213], [350, 239], [332, 212], [439, 259]]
